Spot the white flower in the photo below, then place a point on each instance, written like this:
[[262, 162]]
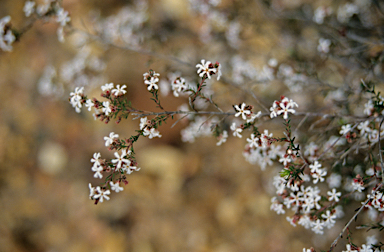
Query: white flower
[[278, 208], [371, 239], [253, 117], [143, 122], [329, 219], [319, 15], [178, 86], [222, 138], [116, 187], [119, 91], [152, 83], [318, 176], [315, 167], [91, 190], [345, 129], [274, 151], [285, 109], [365, 248], [29, 8], [368, 108], [106, 108], [323, 46], [236, 131], [285, 160], [60, 34], [274, 109], [241, 110], [97, 169], [151, 133], [204, 70], [311, 149], [349, 249], [42, 9], [89, 104], [78, 91], [76, 97], [219, 72], [305, 221], [62, 17], [334, 195], [318, 227], [151, 73], [272, 62], [364, 127], [96, 160], [109, 140], [357, 186], [8, 38], [253, 141], [346, 11], [120, 159], [101, 194], [107, 87]]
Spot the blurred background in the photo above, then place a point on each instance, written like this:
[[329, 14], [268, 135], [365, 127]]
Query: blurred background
[[187, 196]]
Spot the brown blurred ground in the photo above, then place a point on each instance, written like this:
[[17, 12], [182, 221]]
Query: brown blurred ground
[[187, 197]]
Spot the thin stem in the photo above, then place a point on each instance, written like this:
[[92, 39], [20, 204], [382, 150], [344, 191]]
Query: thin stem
[[334, 243], [381, 156], [183, 112]]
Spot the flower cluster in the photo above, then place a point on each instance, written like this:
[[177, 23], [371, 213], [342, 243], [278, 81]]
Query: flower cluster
[[151, 79], [197, 128], [318, 172], [284, 106], [6, 35], [125, 27], [77, 98], [260, 150], [148, 128], [376, 201], [321, 13], [179, 85], [46, 9], [63, 19], [123, 164], [29, 8], [306, 185], [113, 107], [206, 69], [368, 131]]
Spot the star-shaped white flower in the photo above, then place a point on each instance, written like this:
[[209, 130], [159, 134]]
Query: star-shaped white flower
[[119, 90], [106, 108], [285, 109], [29, 8], [101, 194], [89, 104], [152, 83], [116, 187], [109, 140], [203, 69], [334, 195], [107, 87], [96, 158], [242, 111], [120, 159], [62, 17], [253, 141]]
